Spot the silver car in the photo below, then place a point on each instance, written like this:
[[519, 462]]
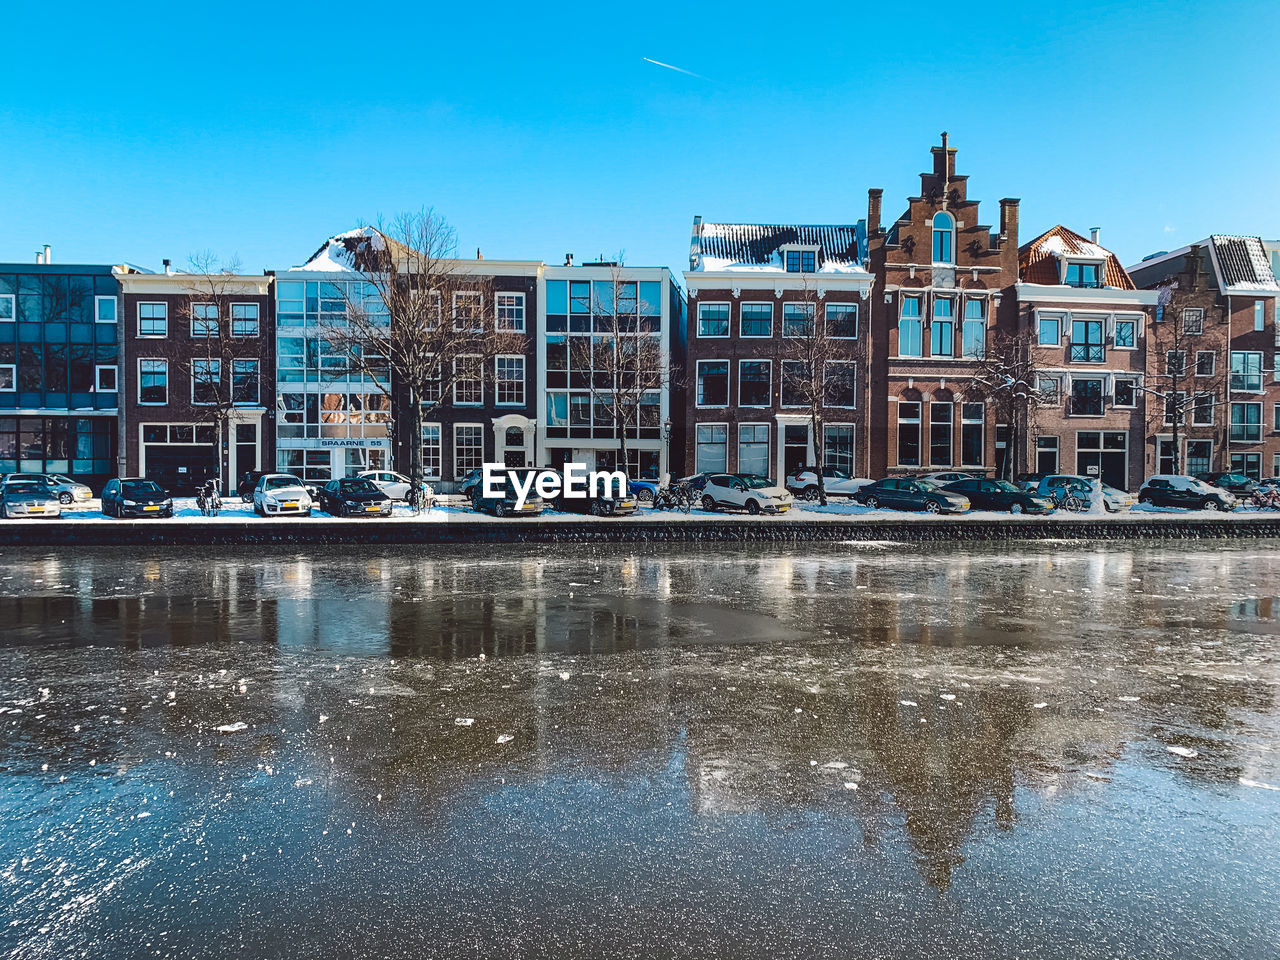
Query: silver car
[[28, 498], [69, 492], [281, 493]]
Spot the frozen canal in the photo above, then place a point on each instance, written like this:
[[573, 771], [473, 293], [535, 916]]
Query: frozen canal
[[882, 751]]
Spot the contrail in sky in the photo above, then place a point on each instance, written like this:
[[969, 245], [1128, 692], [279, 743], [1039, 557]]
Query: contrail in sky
[[688, 73]]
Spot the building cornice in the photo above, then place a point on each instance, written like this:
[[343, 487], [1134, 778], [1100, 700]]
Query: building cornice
[[1096, 299], [194, 284]]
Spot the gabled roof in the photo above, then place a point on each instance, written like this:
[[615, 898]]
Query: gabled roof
[[1243, 264], [349, 252], [756, 246], [1039, 259]]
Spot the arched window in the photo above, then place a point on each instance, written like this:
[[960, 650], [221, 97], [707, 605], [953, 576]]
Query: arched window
[[515, 437], [943, 238]]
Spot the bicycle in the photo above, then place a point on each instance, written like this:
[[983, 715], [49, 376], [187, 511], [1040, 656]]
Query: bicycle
[[1265, 498], [419, 498], [1064, 499], [678, 497], [208, 499]]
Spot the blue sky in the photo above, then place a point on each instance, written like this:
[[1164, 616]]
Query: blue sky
[[257, 132]]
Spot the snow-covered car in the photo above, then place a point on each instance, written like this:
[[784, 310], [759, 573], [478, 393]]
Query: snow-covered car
[[281, 493], [69, 492], [24, 497], [803, 483], [394, 485], [1053, 486], [1174, 490], [945, 477], [744, 491]]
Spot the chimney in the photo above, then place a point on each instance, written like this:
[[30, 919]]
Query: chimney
[[944, 160], [695, 244], [873, 210], [1095, 234], [167, 269], [1009, 220], [479, 255], [48, 253], [39, 256], [568, 259]]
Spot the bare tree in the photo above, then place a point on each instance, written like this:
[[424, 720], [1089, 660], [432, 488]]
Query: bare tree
[[424, 326], [1007, 375], [820, 359], [625, 356]]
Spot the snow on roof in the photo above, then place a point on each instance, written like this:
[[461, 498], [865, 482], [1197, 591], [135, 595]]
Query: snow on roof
[[1243, 264], [1038, 258], [756, 247], [337, 254]]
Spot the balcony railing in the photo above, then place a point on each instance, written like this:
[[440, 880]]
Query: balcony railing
[[1088, 353]]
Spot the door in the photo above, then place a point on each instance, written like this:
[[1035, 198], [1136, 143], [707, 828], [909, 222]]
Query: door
[[1103, 455], [795, 447]]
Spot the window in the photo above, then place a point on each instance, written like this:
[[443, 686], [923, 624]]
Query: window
[[909, 333], [509, 379], [837, 446], [797, 319], [794, 383], [1046, 454], [244, 382], [1082, 274], [972, 434], [713, 383], [244, 319], [206, 378], [8, 378], [974, 346], [1050, 390], [104, 309], [712, 448], [1126, 393], [942, 329], [1175, 407], [1246, 422], [468, 448], [431, 453], [1202, 410], [7, 311], [842, 320], [940, 418], [713, 319], [1175, 363], [153, 382], [801, 261], [1206, 363], [757, 320], [1086, 341], [755, 385], [467, 307], [1250, 464], [1086, 397], [1126, 334], [943, 238], [1259, 314], [1246, 371], [1193, 320], [153, 319], [468, 387], [908, 433], [204, 320], [841, 382], [106, 378], [1050, 325], [1199, 456], [510, 311], [753, 448]]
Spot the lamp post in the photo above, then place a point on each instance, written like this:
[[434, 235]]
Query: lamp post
[[666, 445]]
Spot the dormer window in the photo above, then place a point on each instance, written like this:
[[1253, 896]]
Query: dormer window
[[1083, 274], [801, 260], [944, 229]]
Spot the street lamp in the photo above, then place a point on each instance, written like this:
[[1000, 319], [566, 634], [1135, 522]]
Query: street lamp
[[666, 443]]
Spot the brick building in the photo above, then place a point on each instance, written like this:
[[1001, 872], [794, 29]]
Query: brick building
[[197, 378], [1086, 325], [944, 282], [1218, 300], [750, 286]]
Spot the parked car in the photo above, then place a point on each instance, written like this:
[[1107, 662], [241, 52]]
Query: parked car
[[1237, 483], [394, 485], [646, 491], [1052, 486], [803, 483], [356, 496], [69, 491], [598, 506], [911, 493], [1030, 481], [1269, 482], [947, 476], [248, 480], [744, 491], [505, 505], [470, 484], [999, 495], [136, 497], [281, 493], [1173, 490], [23, 497]]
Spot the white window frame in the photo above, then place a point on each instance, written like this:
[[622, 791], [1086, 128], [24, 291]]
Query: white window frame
[[1041, 317], [498, 381], [97, 377], [153, 403], [769, 394], [741, 319], [13, 307], [231, 386], [97, 310], [439, 450], [1213, 367], [826, 379], [235, 321], [1102, 395], [806, 306], [1056, 400], [211, 325], [800, 249], [12, 368], [696, 427], [138, 328], [1116, 381], [842, 305], [768, 442], [1231, 374], [1195, 410], [1259, 315], [459, 381], [216, 369], [782, 385], [728, 320], [917, 317], [728, 384], [934, 230], [1115, 341], [457, 428], [479, 297], [517, 304], [1189, 313], [1182, 366]]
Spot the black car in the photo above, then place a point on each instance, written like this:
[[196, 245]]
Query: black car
[[248, 480], [353, 497], [506, 504], [910, 493], [1000, 495], [1236, 483], [1189, 493], [603, 505], [136, 497]]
